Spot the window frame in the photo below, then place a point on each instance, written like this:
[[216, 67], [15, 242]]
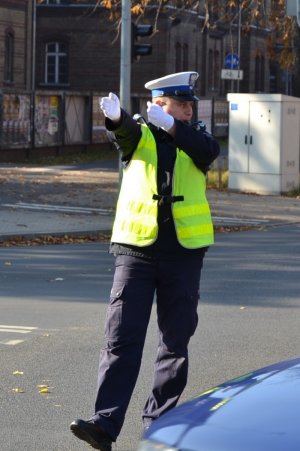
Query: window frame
[[214, 70], [259, 73], [53, 2], [60, 56], [9, 53]]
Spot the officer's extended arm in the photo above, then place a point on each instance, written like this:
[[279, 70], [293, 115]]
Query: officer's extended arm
[[124, 130]]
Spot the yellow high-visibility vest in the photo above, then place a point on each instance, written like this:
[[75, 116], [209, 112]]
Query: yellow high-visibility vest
[[136, 215]]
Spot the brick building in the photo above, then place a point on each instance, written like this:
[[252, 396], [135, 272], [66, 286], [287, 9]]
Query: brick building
[[16, 82], [58, 56], [77, 48], [15, 44]]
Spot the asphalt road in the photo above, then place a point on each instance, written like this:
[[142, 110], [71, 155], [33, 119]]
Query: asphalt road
[[249, 317]]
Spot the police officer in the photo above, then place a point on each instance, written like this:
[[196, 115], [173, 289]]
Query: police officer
[[161, 233]]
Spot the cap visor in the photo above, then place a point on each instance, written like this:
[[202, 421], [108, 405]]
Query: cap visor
[[185, 98]]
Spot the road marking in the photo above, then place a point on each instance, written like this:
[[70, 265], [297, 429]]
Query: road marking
[[230, 221], [7, 328], [11, 342], [59, 208], [18, 329]]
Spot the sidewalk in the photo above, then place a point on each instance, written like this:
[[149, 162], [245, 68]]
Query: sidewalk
[[30, 224], [273, 209], [38, 201], [95, 190]]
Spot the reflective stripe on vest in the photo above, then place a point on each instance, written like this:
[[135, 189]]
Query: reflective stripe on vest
[[136, 215]]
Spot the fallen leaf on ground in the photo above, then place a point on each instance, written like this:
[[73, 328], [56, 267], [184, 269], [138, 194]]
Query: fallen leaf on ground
[[44, 391], [18, 390]]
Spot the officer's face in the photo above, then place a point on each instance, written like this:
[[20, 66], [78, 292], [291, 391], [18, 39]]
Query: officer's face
[[179, 109]]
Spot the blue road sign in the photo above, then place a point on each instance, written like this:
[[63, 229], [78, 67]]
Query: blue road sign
[[232, 61]]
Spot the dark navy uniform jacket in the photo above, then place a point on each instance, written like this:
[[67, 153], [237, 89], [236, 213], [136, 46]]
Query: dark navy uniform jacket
[[200, 146]]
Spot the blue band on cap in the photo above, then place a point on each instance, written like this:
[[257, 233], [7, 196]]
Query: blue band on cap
[[171, 90]]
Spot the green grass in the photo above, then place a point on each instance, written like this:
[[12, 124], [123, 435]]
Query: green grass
[[73, 158], [217, 179], [223, 142], [295, 192]]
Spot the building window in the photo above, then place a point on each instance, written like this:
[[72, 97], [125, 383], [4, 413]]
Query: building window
[[55, 2], [178, 57], [181, 57], [213, 70], [259, 73], [273, 77], [9, 58], [185, 57], [56, 63]]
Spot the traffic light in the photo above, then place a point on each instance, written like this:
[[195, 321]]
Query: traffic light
[[140, 31]]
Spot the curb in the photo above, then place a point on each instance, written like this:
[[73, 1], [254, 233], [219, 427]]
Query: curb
[[72, 234]]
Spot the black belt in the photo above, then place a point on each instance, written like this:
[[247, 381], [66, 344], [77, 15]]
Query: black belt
[[165, 199]]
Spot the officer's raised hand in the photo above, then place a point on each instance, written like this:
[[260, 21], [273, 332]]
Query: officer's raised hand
[[111, 107], [158, 117]]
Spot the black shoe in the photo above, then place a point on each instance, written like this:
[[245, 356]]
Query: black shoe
[[91, 433]]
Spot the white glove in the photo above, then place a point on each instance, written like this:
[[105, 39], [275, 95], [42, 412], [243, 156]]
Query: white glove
[[158, 117], [111, 106]]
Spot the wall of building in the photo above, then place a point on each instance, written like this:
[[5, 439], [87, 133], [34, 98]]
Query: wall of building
[[93, 62], [14, 18], [94, 51]]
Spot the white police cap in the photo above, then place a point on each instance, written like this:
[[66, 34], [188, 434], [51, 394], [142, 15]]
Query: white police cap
[[179, 85]]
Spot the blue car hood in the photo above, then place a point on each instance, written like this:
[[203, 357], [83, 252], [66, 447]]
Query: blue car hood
[[259, 411]]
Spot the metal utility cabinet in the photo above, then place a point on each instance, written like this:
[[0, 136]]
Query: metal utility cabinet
[[264, 141]]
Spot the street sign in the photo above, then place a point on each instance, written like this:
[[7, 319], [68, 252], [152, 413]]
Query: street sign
[[232, 61], [292, 8], [228, 74]]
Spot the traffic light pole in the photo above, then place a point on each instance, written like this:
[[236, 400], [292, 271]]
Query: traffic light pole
[[125, 57], [125, 63]]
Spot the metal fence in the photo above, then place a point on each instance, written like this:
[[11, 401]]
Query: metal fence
[[15, 121], [50, 118], [215, 114]]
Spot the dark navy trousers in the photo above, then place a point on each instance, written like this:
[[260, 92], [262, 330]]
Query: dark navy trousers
[[137, 280]]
